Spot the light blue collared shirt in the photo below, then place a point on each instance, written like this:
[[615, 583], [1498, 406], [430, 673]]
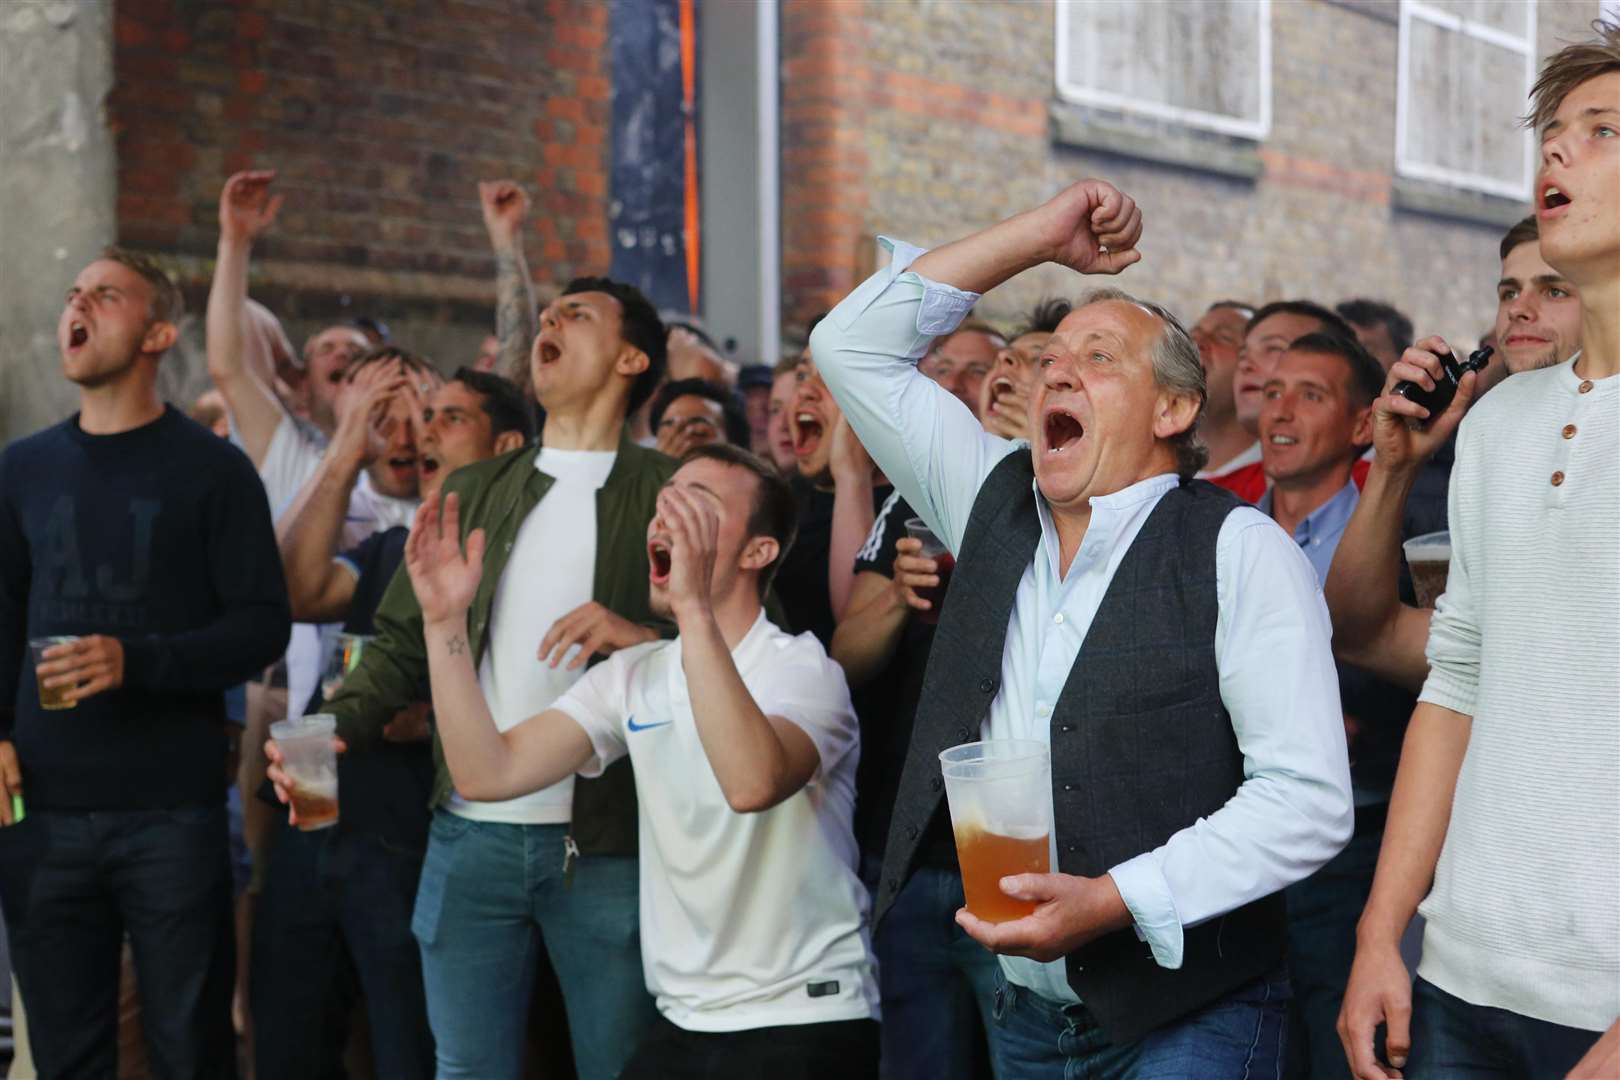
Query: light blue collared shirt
[[1318, 535], [1293, 811]]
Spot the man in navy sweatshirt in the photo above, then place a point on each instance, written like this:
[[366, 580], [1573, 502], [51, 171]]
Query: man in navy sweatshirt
[[147, 540]]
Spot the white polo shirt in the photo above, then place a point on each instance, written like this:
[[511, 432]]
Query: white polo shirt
[[747, 920]]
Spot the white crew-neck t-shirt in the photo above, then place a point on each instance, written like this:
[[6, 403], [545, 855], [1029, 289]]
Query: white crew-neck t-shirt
[[549, 572], [747, 920]]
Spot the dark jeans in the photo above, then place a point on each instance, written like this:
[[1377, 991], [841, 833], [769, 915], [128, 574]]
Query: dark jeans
[[938, 984], [1322, 914], [1453, 1040], [74, 884], [846, 1050], [334, 918], [492, 896], [1239, 1036]]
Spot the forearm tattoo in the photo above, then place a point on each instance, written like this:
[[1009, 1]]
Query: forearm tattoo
[[516, 320], [457, 645]]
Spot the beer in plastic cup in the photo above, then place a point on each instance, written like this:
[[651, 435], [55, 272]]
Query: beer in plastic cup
[[932, 548], [1000, 795], [50, 697], [310, 761], [346, 654], [1429, 556]]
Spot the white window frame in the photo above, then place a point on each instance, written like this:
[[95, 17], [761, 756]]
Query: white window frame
[[1526, 47], [1193, 118]]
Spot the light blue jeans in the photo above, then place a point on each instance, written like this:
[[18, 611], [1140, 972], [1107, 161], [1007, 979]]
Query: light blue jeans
[[491, 896]]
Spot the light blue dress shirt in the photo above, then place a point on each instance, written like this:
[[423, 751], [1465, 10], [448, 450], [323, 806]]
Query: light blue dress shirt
[[1318, 535], [1292, 813]]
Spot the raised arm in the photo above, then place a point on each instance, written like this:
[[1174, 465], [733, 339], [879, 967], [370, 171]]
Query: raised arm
[[879, 607], [246, 210], [319, 588], [925, 440], [852, 516], [485, 763], [759, 760], [1372, 629], [517, 317]]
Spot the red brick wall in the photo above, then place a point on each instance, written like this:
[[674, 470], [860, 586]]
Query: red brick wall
[[825, 89], [379, 116]]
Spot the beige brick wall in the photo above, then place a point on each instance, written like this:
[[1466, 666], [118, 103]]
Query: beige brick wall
[[952, 98]]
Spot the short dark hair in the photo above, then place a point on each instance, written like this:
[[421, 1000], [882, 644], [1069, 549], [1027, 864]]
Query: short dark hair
[[1308, 309], [501, 400], [167, 304], [775, 512], [639, 325], [1525, 231], [734, 418], [379, 353], [1043, 318], [1366, 373], [1364, 312]]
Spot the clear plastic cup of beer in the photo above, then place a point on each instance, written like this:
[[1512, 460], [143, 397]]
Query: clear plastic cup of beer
[[1000, 796], [1429, 557], [310, 761], [50, 697]]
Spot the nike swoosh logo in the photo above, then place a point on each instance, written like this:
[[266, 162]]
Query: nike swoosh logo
[[633, 726]]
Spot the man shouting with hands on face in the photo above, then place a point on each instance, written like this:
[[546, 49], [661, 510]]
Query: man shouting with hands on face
[[744, 744], [1167, 642]]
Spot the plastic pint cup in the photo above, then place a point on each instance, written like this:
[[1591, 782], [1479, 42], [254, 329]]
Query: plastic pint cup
[[310, 762], [345, 656], [1000, 795], [932, 548], [1429, 556], [51, 697]]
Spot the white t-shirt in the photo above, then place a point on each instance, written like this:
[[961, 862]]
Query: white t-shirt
[[747, 920], [291, 459], [549, 572]]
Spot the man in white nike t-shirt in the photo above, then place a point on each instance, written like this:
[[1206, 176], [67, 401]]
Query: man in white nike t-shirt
[[745, 746]]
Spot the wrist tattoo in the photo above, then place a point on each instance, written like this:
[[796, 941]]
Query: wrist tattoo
[[457, 645]]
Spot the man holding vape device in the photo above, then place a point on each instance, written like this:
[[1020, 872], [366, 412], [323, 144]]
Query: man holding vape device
[[1505, 820]]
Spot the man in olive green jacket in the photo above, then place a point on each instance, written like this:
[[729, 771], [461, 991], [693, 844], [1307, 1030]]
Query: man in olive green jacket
[[566, 579]]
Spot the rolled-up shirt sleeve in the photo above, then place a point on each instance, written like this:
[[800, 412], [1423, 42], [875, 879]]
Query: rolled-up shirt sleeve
[[927, 443], [1293, 812]]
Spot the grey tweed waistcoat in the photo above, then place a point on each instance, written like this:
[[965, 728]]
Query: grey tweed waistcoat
[[1142, 746]]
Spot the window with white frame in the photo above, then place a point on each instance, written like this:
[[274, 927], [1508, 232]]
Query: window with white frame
[[1465, 69], [1202, 63]]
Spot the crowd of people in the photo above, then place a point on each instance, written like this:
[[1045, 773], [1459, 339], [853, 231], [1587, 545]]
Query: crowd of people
[[638, 765]]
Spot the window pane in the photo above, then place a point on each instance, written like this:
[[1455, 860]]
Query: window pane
[[1508, 16], [1463, 103], [1189, 54]]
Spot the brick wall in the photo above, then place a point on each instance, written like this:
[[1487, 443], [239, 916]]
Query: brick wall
[[379, 116], [947, 109]]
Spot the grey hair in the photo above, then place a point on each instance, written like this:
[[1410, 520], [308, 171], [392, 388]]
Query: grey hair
[[1176, 368]]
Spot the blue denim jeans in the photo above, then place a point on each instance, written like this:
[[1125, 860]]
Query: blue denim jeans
[[73, 884], [1240, 1036], [491, 896], [937, 984], [1322, 914], [1454, 1040], [334, 920]]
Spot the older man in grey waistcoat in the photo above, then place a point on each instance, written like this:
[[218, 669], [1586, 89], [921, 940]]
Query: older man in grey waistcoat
[[1167, 642]]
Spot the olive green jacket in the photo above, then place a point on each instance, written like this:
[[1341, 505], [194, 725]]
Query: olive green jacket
[[496, 495]]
